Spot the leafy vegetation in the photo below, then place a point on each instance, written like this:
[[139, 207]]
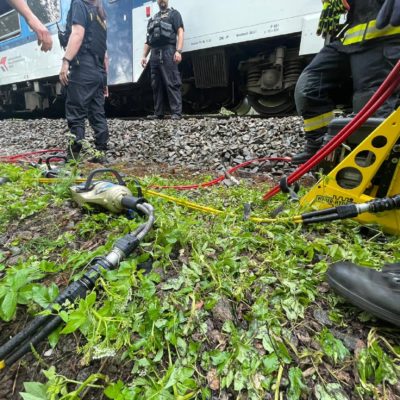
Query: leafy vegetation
[[230, 309]]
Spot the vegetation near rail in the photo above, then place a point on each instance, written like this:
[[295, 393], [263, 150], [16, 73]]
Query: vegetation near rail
[[230, 309]]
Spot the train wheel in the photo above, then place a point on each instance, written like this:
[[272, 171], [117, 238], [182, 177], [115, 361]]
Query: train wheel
[[272, 106]]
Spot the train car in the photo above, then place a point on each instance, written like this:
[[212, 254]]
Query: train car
[[237, 54]]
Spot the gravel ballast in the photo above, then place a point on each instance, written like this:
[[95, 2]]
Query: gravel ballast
[[198, 144]]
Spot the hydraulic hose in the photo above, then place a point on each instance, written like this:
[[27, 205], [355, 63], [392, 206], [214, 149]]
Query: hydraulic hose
[[382, 94], [351, 210], [222, 177], [17, 157], [51, 325], [149, 211], [23, 335]]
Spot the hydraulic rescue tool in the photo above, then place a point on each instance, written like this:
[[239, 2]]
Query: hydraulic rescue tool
[[113, 197], [370, 172]]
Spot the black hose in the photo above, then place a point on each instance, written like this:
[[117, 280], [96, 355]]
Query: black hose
[[385, 204], [76, 290], [23, 335], [34, 340]]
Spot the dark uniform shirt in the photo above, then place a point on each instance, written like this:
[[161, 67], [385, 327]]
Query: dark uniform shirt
[[85, 14], [80, 16]]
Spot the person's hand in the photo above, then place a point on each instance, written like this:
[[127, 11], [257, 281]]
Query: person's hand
[[64, 73], [43, 35], [177, 57], [106, 91], [143, 62], [329, 21]]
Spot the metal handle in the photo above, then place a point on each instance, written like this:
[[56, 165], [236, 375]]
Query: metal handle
[[101, 171]]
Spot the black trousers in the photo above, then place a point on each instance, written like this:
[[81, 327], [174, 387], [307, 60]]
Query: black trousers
[[331, 67], [165, 80], [85, 99]]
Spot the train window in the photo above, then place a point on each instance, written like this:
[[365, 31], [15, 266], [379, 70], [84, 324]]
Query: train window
[[9, 21], [46, 10]]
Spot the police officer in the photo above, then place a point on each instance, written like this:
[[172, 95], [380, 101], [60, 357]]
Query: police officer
[[45, 40], [165, 40], [364, 50], [83, 74]]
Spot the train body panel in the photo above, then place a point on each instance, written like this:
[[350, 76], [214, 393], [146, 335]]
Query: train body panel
[[26, 62], [227, 22], [20, 57]]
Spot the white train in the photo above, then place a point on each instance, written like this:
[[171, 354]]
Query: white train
[[237, 53]]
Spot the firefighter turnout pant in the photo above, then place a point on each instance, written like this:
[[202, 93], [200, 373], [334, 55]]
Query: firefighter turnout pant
[[329, 70], [165, 80], [85, 99]]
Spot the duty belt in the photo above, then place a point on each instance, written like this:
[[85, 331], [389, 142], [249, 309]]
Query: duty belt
[[367, 31]]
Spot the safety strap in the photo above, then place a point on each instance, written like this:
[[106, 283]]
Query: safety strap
[[368, 31]]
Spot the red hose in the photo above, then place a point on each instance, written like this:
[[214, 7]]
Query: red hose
[[221, 178], [382, 94], [18, 157]]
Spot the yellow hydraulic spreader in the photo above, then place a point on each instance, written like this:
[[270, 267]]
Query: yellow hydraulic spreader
[[370, 171]]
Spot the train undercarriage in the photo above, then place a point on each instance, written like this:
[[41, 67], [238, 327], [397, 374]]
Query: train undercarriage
[[258, 77]]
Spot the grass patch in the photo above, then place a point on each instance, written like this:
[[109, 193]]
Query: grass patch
[[231, 308]]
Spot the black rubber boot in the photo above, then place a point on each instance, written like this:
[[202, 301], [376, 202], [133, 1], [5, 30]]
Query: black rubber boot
[[371, 290], [312, 146]]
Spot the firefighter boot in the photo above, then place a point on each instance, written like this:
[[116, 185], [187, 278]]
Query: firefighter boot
[[371, 290], [312, 146]]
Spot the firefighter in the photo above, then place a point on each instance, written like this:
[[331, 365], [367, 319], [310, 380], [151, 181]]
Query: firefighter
[[377, 292], [363, 49], [165, 33], [45, 40], [83, 74]]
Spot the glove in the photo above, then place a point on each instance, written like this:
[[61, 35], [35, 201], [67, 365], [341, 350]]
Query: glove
[[330, 17], [389, 14]]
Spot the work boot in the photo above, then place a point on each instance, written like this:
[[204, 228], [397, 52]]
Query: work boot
[[153, 116], [312, 146], [99, 159], [371, 290], [176, 116]]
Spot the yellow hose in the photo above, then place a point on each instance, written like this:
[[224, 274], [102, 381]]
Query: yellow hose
[[194, 206]]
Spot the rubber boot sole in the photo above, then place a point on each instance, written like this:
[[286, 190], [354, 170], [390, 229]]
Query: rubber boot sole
[[364, 304]]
